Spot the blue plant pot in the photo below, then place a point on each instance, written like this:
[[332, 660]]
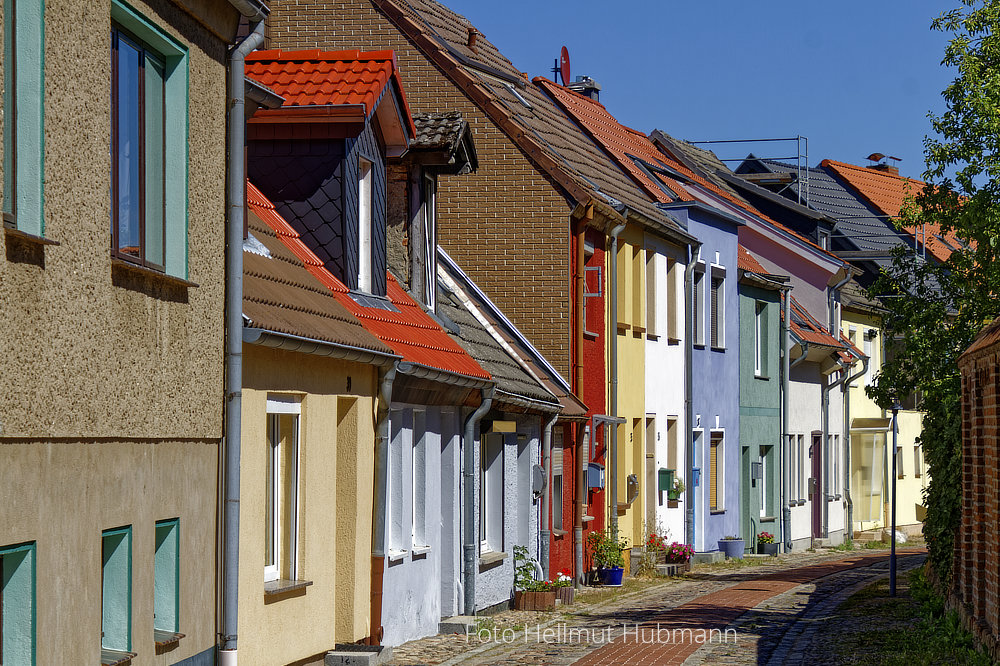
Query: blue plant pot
[[733, 548], [612, 576]]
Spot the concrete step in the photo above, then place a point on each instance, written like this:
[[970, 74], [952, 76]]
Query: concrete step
[[459, 624], [708, 557], [669, 569], [358, 655]]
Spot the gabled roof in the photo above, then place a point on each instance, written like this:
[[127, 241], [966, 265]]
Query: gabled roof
[[888, 192], [807, 329], [399, 326], [527, 116], [284, 285], [332, 84], [747, 262]]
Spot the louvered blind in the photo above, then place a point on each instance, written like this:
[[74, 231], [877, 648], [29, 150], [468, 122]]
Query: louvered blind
[[715, 307], [713, 476]]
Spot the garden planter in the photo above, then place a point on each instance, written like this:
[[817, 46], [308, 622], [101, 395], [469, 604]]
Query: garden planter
[[534, 600], [767, 549], [565, 595], [681, 566], [733, 548], [611, 576], [673, 495]]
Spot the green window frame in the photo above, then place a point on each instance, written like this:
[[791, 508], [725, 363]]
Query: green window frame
[[160, 240], [167, 576], [116, 589], [23, 115], [17, 604]]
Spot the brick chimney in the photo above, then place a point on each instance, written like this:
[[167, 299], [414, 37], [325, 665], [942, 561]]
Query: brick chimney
[[888, 168], [471, 43], [587, 87]]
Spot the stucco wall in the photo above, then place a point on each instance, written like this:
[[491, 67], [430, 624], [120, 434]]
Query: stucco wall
[[336, 473]]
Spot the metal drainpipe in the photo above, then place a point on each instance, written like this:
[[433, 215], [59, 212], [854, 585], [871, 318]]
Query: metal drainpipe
[[234, 334], [613, 331], [547, 466], [381, 486], [469, 501], [689, 511], [784, 476], [847, 439], [582, 449]]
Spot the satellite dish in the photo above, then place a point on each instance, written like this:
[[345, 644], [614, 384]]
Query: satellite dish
[[564, 65], [537, 480]]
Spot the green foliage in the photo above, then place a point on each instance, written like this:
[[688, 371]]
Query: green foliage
[[936, 309], [524, 573], [606, 550]]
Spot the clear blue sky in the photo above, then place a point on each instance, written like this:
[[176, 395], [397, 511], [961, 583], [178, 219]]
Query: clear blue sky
[[854, 77]]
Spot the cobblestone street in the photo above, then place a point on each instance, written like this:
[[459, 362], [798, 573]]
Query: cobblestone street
[[774, 606]]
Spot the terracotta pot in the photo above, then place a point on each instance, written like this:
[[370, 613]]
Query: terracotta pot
[[534, 600]]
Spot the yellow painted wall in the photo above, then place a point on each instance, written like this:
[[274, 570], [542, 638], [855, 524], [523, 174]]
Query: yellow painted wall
[[910, 485], [336, 479]]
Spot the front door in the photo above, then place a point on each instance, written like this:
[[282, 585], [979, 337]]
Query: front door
[[816, 486]]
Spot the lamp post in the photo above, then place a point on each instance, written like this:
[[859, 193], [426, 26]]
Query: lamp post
[[892, 535]]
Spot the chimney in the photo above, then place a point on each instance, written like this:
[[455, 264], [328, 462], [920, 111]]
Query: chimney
[[587, 87], [888, 168], [473, 33]]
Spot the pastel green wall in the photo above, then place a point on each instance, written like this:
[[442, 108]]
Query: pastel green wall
[[18, 611]]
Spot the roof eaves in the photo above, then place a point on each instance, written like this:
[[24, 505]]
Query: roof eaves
[[304, 345]]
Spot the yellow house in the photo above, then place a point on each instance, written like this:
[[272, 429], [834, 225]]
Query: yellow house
[[871, 435]]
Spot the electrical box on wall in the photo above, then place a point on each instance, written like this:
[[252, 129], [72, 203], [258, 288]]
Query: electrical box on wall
[[696, 476], [665, 480], [595, 475]]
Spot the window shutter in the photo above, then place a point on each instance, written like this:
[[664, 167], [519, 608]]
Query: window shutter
[[714, 314], [713, 476]]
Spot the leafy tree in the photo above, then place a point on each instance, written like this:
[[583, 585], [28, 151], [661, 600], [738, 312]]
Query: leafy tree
[[935, 309]]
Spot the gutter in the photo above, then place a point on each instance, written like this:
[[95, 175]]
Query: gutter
[[527, 403], [847, 440], [613, 331], [546, 492], [381, 489], [421, 371], [256, 12], [302, 345], [689, 511], [471, 535], [786, 352]]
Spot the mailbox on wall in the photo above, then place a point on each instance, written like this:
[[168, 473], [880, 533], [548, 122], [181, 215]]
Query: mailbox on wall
[[696, 476], [595, 475], [665, 480]]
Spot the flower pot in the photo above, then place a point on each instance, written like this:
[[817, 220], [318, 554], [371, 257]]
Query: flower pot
[[767, 549], [611, 576], [565, 595], [673, 495], [534, 600], [733, 548]]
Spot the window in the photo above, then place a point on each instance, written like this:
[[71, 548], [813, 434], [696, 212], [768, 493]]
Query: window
[[802, 468], [418, 462], [623, 273], [281, 510], [760, 339], [365, 217], [698, 305], [17, 604], [148, 144], [638, 318], [917, 463], [401, 428], [430, 242], [869, 372], [116, 590], [835, 464], [166, 577], [673, 326], [717, 311], [556, 495], [793, 475], [23, 112], [899, 463], [593, 289], [824, 239], [765, 465], [491, 493], [672, 444], [716, 462], [652, 304]]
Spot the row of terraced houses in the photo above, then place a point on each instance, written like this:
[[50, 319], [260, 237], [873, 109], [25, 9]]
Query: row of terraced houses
[[313, 312]]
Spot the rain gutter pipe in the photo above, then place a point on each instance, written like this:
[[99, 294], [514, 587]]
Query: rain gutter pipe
[[544, 533], [613, 331], [847, 442], [689, 511], [256, 13], [786, 349], [468, 501], [381, 488]]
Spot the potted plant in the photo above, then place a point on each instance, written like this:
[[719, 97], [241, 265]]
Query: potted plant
[[766, 545], [656, 547], [732, 546], [563, 586], [529, 592], [606, 554], [680, 553], [675, 492]]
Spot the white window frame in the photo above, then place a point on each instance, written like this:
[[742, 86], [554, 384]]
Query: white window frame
[[674, 314], [717, 272], [418, 481], [278, 405], [763, 482], [491, 477], [366, 178], [760, 333]]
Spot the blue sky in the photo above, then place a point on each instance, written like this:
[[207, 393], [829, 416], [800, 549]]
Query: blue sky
[[854, 77]]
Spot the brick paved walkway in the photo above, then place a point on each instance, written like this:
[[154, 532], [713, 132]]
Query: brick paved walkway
[[690, 625]]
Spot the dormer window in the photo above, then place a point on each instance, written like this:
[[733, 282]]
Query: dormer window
[[364, 225]]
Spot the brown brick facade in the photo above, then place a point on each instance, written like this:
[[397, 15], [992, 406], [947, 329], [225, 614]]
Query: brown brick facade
[[507, 224]]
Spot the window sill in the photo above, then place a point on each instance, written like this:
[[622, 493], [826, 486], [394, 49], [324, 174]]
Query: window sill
[[116, 657], [420, 550], [587, 519], [764, 377], [768, 519], [396, 555], [11, 232], [717, 348], [590, 335], [491, 557], [166, 640], [560, 533], [122, 265], [716, 512], [275, 588]]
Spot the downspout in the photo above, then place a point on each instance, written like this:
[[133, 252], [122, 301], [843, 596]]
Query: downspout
[[378, 511], [582, 439], [613, 407], [786, 346], [847, 442], [234, 329], [547, 466], [469, 501], [689, 512]]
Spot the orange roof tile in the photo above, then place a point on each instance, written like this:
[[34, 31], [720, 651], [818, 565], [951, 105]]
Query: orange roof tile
[[328, 78], [888, 192], [747, 262], [410, 332]]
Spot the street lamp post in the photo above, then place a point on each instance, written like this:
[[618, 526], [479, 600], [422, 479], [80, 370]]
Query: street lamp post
[[892, 535]]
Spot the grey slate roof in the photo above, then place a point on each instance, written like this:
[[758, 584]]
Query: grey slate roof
[[437, 131]]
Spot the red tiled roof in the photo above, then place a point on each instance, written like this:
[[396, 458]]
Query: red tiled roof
[[328, 78], [747, 262], [888, 192], [621, 142], [410, 332], [811, 331]]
